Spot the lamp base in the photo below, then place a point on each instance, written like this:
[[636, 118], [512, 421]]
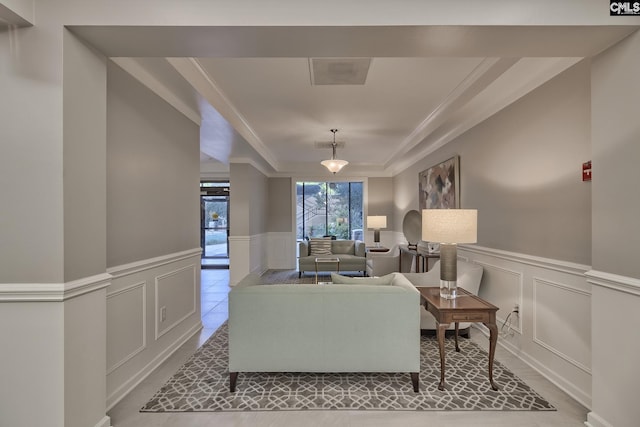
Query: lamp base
[[376, 238], [448, 271], [448, 289]]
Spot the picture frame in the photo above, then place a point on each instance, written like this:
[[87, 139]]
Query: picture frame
[[439, 185]]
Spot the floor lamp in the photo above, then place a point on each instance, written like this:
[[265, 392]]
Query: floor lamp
[[449, 227]]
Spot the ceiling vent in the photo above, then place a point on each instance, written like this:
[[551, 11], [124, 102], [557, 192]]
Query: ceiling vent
[[339, 71]]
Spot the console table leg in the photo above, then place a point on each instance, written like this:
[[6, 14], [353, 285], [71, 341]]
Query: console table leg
[[457, 347], [493, 340], [441, 332]]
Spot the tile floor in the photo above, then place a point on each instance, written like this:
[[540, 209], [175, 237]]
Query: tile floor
[[215, 286]]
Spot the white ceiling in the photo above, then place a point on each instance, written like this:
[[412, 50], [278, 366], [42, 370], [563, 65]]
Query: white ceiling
[[251, 89]]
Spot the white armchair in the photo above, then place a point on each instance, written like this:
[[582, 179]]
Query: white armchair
[[382, 263], [469, 278]]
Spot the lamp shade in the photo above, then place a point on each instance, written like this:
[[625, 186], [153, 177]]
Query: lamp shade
[[334, 165], [377, 221], [450, 225]]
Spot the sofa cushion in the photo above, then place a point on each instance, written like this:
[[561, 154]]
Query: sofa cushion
[[320, 247], [338, 279], [346, 247]]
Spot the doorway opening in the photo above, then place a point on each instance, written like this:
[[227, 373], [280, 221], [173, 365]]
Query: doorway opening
[[214, 224]]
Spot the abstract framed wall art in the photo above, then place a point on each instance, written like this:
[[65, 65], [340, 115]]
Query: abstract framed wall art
[[439, 186]]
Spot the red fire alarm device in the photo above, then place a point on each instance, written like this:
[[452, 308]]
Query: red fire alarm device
[[586, 171]]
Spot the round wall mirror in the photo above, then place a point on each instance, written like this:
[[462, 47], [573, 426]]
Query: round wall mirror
[[412, 227]]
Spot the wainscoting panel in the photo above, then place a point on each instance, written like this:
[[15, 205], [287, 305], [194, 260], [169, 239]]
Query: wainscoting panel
[[126, 309], [552, 330], [281, 251], [503, 287], [239, 258], [560, 307], [138, 340], [258, 250], [248, 254], [176, 295]]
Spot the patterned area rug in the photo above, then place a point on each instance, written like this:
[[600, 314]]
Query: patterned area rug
[[202, 384], [271, 277]]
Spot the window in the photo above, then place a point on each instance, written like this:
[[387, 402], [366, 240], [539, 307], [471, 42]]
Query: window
[[329, 209]]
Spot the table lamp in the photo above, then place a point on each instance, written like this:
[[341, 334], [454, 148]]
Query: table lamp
[[449, 227], [377, 222]]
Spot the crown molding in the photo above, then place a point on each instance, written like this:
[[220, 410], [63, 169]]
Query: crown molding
[[140, 73], [195, 74]]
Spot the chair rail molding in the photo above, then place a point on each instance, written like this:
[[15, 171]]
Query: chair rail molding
[[147, 264], [33, 292], [547, 263], [616, 282]]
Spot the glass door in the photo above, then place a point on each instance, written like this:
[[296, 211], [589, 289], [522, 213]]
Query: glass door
[[214, 225]]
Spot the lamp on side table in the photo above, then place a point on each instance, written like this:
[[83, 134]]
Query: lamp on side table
[[449, 227], [376, 222]]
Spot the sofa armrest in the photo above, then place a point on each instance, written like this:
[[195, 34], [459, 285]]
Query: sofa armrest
[[360, 248], [303, 248]]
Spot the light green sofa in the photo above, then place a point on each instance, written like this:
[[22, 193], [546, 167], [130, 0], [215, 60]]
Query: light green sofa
[[351, 253], [324, 328]]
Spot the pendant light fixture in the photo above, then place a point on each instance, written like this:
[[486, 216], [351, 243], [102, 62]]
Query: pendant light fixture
[[334, 165]]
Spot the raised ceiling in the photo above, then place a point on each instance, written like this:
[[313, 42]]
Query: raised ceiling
[[252, 89]]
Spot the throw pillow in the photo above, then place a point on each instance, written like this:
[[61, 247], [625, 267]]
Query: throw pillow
[[339, 279], [320, 247]]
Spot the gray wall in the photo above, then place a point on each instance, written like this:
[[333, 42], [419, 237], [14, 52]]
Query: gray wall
[[615, 276], [616, 153], [84, 175], [521, 169], [280, 204], [380, 199], [249, 194], [153, 174]]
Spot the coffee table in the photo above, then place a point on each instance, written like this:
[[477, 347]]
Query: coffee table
[[465, 308], [331, 260]]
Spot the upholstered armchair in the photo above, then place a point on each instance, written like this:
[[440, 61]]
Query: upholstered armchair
[[382, 263], [469, 278]]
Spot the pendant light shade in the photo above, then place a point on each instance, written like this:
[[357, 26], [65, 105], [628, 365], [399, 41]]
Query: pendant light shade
[[334, 165]]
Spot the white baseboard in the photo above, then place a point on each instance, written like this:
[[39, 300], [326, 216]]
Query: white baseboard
[[594, 420], [104, 422], [136, 379], [553, 377]]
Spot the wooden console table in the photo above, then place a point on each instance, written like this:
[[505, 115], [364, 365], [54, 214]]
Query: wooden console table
[[422, 258], [465, 308]]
